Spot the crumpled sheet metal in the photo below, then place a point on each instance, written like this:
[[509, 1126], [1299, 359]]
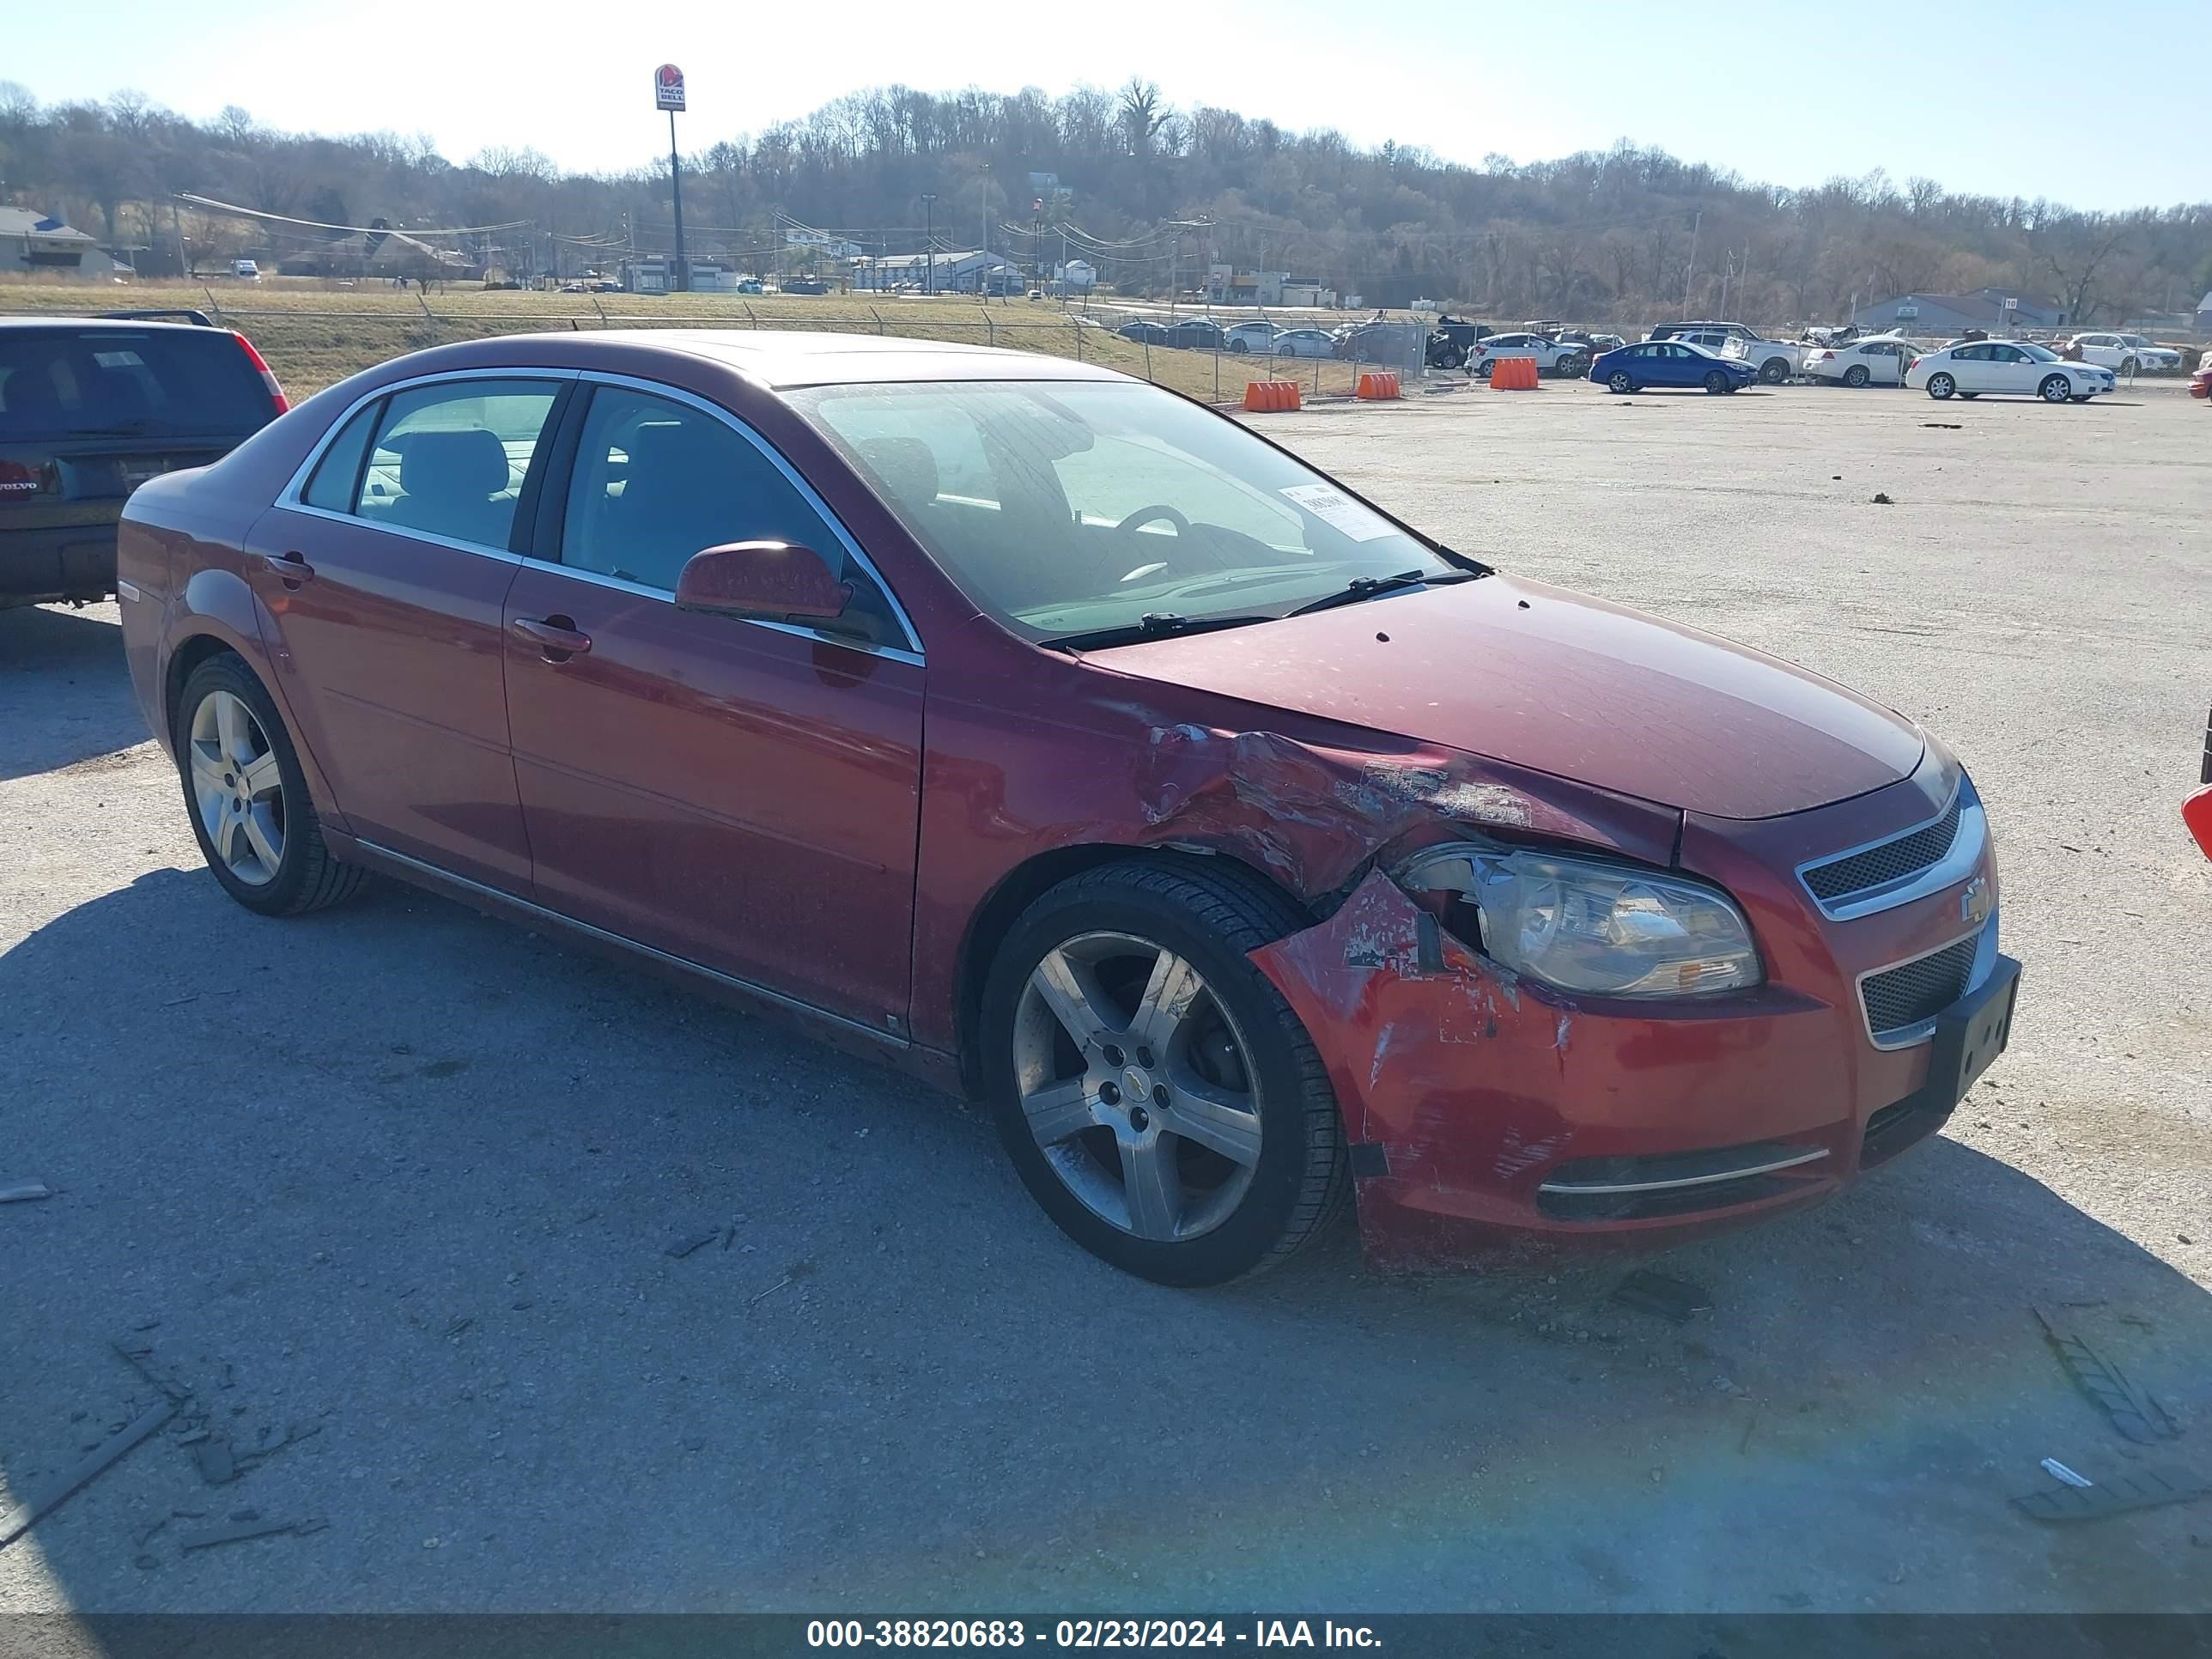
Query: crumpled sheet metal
[[1437, 1056], [1313, 815]]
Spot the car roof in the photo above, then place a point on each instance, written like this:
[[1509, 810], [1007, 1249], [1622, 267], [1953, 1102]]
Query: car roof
[[121, 324], [783, 359]]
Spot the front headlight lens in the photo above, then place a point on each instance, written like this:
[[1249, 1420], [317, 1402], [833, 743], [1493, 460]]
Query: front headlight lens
[[1587, 926]]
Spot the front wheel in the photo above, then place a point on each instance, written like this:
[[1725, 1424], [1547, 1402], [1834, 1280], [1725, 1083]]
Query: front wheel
[[1619, 380], [1160, 1100], [1715, 383], [2128, 367], [2055, 389], [1774, 371], [248, 796], [1940, 387]]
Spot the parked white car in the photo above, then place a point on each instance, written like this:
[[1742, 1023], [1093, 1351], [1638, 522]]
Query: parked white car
[[1880, 360], [2014, 368], [2128, 353], [1305, 343], [1552, 356], [1250, 336]]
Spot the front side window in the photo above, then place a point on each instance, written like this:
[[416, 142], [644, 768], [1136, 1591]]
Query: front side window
[[1067, 507], [656, 481], [449, 459]]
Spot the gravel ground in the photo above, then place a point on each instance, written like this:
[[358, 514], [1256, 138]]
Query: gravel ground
[[397, 1184]]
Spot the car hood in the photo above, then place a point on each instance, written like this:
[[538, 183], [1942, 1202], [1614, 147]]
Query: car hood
[[1557, 681]]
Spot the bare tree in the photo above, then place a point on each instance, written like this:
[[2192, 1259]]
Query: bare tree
[[1142, 115]]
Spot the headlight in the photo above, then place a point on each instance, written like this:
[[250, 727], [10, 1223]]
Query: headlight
[[1591, 926]]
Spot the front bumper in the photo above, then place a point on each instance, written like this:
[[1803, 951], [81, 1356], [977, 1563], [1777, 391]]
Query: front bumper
[[1487, 1114]]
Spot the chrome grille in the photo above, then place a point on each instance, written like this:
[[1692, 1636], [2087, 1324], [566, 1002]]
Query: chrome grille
[[1917, 991], [1893, 860]]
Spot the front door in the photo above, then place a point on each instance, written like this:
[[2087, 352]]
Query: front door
[[743, 795], [385, 578]]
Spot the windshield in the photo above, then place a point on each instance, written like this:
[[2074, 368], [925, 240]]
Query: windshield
[[158, 382], [1068, 507]]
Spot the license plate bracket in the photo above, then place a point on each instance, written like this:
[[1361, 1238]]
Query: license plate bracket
[[1973, 1032]]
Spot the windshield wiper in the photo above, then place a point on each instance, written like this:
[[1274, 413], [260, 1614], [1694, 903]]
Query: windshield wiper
[[1367, 587], [1152, 625]]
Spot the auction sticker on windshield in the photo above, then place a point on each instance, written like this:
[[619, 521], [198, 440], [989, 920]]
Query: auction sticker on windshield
[[1335, 508]]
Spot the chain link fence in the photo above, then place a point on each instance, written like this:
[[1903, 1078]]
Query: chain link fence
[[314, 347]]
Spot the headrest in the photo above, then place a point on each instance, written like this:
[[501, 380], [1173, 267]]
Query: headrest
[[906, 467], [453, 466]]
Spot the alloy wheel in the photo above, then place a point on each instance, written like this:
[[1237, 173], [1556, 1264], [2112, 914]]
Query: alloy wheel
[[2057, 389], [237, 787], [1137, 1085]]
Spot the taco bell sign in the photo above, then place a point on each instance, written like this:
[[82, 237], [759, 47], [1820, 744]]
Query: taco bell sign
[[668, 88]]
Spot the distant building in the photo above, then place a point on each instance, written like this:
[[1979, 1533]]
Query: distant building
[[655, 273], [1077, 276], [1947, 315], [951, 270], [39, 242], [836, 247]]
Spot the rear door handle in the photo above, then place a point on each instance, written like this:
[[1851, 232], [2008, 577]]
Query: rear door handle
[[292, 566], [557, 638]]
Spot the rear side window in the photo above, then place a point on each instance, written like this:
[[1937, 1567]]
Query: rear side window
[[153, 382], [337, 474], [449, 460]]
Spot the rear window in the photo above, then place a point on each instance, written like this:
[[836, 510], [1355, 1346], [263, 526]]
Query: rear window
[[128, 382]]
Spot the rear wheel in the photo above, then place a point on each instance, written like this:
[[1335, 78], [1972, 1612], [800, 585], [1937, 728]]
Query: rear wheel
[[1774, 371], [2055, 389], [1856, 375], [1619, 380], [248, 796], [1158, 1097], [1238, 347], [1482, 369], [1940, 387]]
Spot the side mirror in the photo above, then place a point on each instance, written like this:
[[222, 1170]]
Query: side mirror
[[761, 579]]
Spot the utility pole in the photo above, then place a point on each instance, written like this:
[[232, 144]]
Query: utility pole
[[929, 242], [983, 248], [1696, 223]]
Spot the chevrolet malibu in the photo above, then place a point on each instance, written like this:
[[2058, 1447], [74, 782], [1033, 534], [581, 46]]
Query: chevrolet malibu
[[1078, 749]]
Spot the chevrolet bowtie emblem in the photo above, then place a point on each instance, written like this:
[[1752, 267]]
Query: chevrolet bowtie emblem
[[1974, 901]]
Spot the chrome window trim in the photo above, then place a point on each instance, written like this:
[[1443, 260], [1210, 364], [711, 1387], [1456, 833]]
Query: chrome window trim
[[1905, 1036], [1962, 860], [1582, 1189], [291, 498]]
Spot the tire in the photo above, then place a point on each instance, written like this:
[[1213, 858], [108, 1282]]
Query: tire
[[1715, 383], [1238, 347], [1857, 376], [224, 716], [1940, 386], [1214, 1217], [1482, 369], [1774, 371], [2129, 367], [1618, 381], [2055, 389], [1447, 356]]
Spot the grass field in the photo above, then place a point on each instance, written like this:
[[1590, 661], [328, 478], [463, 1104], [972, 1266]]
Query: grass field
[[314, 334]]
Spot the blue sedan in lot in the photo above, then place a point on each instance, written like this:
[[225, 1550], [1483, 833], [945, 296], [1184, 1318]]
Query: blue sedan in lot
[[1671, 362]]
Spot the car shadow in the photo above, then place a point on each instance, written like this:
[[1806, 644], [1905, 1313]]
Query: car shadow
[[524, 1281], [49, 651]]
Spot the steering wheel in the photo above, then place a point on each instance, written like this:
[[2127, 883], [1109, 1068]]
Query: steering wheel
[[1144, 515]]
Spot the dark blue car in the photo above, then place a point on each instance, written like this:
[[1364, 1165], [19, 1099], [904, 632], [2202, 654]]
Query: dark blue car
[[1671, 362]]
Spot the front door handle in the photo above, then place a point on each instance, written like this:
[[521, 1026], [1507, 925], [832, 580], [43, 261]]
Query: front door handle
[[557, 638], [292, 566]]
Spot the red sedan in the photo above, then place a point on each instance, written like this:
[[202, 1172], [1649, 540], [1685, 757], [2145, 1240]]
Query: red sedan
[[1079, 749]]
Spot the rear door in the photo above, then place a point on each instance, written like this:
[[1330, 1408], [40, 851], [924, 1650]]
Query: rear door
[[742, 795], [384, 571], [89, 413]]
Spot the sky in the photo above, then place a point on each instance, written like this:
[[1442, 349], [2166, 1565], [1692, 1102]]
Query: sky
[[2000, 97]]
